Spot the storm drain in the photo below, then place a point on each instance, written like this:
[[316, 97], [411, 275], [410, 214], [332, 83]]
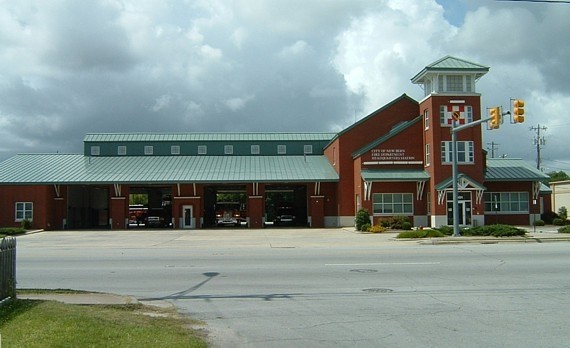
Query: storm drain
[[364, 270]]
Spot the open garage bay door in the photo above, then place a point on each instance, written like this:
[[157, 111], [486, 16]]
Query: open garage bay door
[[286, 205], [225, 206]]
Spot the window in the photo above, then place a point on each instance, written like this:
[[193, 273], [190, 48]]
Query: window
[[468, 83], [469, 113], [426, 118], [95, 150], [440, 83], [228, 149], [464, 152], [506, 202], [427, 156], [454, 83], [393, 203], [121, 150], [308, 149], [255, 150], [148, 150], [202, 149], [175, 150], [24, 211], [281, 149]]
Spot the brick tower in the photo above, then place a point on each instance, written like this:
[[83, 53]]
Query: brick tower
[[449, 91]]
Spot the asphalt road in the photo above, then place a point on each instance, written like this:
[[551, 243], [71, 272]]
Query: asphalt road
[[321, 288]]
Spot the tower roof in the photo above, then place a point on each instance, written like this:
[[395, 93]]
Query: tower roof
[[449, 64]]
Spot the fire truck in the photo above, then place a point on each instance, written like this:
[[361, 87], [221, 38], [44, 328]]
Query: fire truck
[[230, 213]]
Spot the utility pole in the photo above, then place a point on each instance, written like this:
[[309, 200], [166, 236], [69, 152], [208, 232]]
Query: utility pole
[[538, 141], [493, 146]]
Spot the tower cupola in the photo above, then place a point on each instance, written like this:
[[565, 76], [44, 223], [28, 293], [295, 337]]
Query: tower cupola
[[450, 75]]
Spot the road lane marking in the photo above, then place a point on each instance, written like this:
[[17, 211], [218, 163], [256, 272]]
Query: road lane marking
[[385, 264]]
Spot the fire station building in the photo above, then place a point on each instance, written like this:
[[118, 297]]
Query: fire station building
[[396, 161]]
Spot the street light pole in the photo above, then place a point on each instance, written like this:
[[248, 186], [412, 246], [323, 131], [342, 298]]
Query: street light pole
[[454, 129], [455, 176]]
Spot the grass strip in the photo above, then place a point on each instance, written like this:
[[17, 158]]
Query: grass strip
[[31, 323]]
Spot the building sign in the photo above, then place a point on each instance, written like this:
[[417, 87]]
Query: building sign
[[391, 156]]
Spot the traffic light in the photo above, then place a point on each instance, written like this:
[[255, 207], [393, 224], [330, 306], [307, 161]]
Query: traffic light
[[495, 120], [518, 113]]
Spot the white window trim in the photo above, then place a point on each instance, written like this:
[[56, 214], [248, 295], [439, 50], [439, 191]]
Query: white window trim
[[23, 211], [175, 149], [228, 149], [202, 149], [427, 157], [392, 203], [447, 154], [148, 150], [281, 149], [122, 150], [308, 149], [487, 194], [255, 149]]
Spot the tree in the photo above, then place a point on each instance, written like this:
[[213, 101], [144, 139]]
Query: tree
[[558, 176], [362, 218]]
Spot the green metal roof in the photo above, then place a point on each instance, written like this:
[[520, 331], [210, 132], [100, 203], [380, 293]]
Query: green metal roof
[[394, 175], [451, 64], [393, 132], [79, 169], [512, 169], [146, 137]]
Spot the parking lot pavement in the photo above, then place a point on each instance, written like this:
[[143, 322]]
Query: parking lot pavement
[[265, 238]]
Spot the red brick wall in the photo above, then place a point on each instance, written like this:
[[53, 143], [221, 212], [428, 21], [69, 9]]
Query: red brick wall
[[359, 135], [41, 197]]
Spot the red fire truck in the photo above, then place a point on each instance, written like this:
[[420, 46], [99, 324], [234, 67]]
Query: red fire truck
[[230, 213]]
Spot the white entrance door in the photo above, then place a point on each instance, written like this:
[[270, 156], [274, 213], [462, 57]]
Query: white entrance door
[[464, 205], [187, 216]]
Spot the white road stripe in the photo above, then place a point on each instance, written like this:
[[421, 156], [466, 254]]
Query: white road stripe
[[384, 264]]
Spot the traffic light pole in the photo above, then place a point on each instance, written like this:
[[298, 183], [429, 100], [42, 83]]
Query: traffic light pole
[[455, 171]]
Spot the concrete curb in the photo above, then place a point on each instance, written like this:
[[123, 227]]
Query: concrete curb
[[87, 298]]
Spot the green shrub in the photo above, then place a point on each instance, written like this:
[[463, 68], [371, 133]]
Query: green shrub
[[412, 234], [385, 222], [539, 223], [398, 222], [563, 213], [446, 230], [434, 234], [406, 225], [10, 231], [429, 233], [362, 217], [377, 229], [558, 222], [26, 224], [565, 229], [497, 230], [365, 227]]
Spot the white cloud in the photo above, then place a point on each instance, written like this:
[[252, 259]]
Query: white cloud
[[238, 103]]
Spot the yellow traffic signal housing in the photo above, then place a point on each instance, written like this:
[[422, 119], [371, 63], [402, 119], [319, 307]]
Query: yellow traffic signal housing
[[518, 112], [495, 114]]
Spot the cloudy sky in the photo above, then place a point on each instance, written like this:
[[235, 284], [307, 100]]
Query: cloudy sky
[[71, 67]]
